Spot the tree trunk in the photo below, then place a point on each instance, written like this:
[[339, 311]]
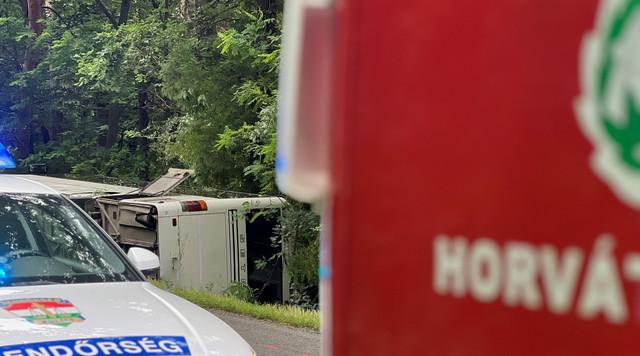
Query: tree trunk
[[46, 135], [184, 8], [24, 137], [25, 114], [25, 8], [143, 124], [113, 120], [125, 5], [143, 117], [56, 127], [34, 8], [102, 8], [48, 4], [188, 8]]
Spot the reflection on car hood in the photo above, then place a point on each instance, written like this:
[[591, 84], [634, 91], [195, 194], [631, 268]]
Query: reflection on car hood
[[111, 311]]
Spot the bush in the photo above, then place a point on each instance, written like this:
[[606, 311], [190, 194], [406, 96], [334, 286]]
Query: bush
[[240, 291], [299, 231]]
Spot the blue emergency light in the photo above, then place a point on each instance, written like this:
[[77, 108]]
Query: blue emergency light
[[6, 161]]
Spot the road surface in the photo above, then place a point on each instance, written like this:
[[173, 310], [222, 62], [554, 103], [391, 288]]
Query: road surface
[[272, 339]]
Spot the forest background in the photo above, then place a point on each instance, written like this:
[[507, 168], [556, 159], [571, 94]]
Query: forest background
[[121, 90]]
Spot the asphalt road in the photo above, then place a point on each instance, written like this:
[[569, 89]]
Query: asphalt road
[[272, 339]]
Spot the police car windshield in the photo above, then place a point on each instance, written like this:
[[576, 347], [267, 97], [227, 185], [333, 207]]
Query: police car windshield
[[44, 239]]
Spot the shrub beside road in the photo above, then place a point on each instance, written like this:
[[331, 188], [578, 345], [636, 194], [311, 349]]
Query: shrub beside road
[[285, 314]]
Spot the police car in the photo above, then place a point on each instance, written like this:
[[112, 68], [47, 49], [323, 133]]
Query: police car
[[67, 289]]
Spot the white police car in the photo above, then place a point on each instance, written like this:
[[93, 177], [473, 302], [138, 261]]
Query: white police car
[[67, 289]]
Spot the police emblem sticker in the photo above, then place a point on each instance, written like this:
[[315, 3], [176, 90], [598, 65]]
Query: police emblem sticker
[[608, 108], [44, 311]]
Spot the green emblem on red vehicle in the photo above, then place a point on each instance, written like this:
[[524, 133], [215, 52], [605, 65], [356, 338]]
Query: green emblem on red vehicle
[[52, 311], [608, 109]]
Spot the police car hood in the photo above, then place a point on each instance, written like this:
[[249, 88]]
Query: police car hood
[[111, 318]]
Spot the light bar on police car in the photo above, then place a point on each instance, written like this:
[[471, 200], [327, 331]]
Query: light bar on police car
[[6, 161]]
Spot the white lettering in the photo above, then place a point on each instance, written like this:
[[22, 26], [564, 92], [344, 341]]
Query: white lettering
[[60, 350], [130, 347], [107, 347], [85, 349], [41, 351], [149, 346], [560, 281], [602, 290], [170, 346], [532, 277], [448, 269], [12, 353], [521, 287], [484, 270], [632, 266]]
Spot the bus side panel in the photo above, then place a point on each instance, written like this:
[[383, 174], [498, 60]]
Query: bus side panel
[[169, 250], [203, 248]]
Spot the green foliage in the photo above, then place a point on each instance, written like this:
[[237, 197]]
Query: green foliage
[[255, 139], [299, 229], [285, 314], [226, 89], [165, 88], [15, 39], [240, 291]]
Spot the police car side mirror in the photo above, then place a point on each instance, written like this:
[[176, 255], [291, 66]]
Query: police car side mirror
[[144, 260]]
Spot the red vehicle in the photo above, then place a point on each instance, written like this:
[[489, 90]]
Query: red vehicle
[[479, 170]]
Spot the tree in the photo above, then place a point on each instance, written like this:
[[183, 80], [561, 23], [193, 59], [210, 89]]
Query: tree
[[126, 88]]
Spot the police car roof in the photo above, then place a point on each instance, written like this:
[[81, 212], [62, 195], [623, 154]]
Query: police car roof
[[13, 184]]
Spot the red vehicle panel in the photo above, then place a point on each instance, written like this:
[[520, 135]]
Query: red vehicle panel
[[476, 207]]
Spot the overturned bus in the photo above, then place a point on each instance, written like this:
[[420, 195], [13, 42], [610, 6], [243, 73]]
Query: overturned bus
[[202, 242]]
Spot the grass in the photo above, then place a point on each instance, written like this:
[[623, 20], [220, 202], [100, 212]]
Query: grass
[[285, 314]]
